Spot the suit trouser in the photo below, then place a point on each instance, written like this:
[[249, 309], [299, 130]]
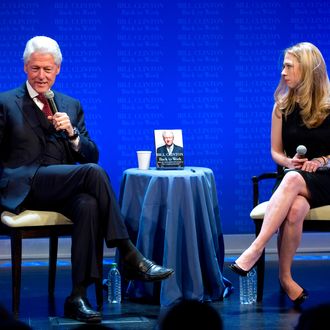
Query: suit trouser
[[84, 194]]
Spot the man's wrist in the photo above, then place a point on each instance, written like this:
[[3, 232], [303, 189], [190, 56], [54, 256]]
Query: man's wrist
[[75, 134]]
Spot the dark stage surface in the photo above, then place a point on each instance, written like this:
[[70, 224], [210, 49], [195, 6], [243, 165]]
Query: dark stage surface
[[276, 312]]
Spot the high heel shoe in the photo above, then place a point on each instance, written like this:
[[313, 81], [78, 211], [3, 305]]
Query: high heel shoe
[[302, 297], [298, 301], [238, 270]]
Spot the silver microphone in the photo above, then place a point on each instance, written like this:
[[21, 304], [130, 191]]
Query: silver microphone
[[49, 95], [301, 151]]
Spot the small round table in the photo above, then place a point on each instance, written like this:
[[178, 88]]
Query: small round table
[[173, 218]]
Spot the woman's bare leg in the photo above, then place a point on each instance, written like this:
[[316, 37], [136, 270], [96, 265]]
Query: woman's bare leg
[[279, 206], [288, 241]]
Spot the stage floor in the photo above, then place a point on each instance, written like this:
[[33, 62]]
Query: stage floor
[[275, 312]]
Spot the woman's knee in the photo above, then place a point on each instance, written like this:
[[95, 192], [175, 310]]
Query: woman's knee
[[292, 179], [298, 210]]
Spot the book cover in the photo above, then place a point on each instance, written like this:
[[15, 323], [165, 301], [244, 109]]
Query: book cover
[[169, 149]]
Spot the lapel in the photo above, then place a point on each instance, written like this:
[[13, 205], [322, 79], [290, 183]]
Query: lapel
[[27, 107], [33, 117], [58, 99], [23, 100], [62, 103]]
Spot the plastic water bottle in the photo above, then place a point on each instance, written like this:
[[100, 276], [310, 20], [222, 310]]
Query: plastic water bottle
[[114, 285], [248, 288]]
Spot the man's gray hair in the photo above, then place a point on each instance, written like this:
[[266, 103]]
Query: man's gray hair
[[44, 45], [167, 132]]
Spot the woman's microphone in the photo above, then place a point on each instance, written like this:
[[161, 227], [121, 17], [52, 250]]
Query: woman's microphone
[[301, 151]]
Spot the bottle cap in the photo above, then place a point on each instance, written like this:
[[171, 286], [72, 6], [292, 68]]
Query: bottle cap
[[113, 265]]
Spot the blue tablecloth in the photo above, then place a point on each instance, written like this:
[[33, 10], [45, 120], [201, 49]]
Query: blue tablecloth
[[173, 218]]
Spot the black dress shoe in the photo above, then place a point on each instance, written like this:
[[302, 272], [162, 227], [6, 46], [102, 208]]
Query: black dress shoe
[[147, 271], [238, 270], [80, 309]]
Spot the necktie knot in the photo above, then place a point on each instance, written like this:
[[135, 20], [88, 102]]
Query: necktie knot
[[41, 97]]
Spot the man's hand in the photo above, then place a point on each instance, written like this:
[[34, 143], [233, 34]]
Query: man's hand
[[62, 122]]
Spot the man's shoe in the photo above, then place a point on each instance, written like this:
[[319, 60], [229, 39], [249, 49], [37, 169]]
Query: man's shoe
[[80, 309], [147, 271]]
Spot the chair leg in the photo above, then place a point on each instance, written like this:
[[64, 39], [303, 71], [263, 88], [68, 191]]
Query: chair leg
[[16, 260], [260, 276], [260, 266], [53, 248]]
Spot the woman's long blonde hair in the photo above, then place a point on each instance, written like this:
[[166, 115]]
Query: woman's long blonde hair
[[313, 91]]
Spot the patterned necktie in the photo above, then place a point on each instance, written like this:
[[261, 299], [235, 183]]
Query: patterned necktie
[[46, 108]]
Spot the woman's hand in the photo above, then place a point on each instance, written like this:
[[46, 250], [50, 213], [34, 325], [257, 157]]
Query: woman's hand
[[298, 162], [304, 164], [311, 165]]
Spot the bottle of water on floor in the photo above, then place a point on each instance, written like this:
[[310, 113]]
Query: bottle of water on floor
[[114, 285], [248, 288]]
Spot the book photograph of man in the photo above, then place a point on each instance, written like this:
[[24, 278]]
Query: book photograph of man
[[169, 154], [169, 147]]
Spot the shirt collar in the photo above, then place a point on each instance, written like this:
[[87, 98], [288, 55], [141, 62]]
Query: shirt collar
[[170, 148], [31, 91]]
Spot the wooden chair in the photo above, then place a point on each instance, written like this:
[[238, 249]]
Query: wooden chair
[[39, 224], [317, 220]]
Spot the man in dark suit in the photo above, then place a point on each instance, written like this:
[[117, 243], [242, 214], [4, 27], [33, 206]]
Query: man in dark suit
[[39, 155], [169, 148]]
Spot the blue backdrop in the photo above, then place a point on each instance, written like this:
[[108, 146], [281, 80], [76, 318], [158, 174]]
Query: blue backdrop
[[207, 67]]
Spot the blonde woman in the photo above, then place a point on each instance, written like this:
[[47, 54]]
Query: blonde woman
[[300, 117]]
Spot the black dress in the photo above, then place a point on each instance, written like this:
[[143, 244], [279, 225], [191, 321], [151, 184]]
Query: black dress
[[317, 142]]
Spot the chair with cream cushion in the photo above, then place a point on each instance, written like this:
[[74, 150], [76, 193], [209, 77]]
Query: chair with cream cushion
[[38, 224], [317, 220]]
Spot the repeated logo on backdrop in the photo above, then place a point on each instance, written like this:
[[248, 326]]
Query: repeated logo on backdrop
[[207, 67]]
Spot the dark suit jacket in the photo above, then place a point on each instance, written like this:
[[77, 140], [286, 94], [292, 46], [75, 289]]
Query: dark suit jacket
[[176, 150], [23, 142]]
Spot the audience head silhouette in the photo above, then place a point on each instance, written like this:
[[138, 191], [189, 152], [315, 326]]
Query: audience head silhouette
[[7, 321], [191, 314], [315, 318]]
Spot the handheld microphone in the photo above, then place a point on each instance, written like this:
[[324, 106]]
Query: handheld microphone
[[301, 151], [49, 95]]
